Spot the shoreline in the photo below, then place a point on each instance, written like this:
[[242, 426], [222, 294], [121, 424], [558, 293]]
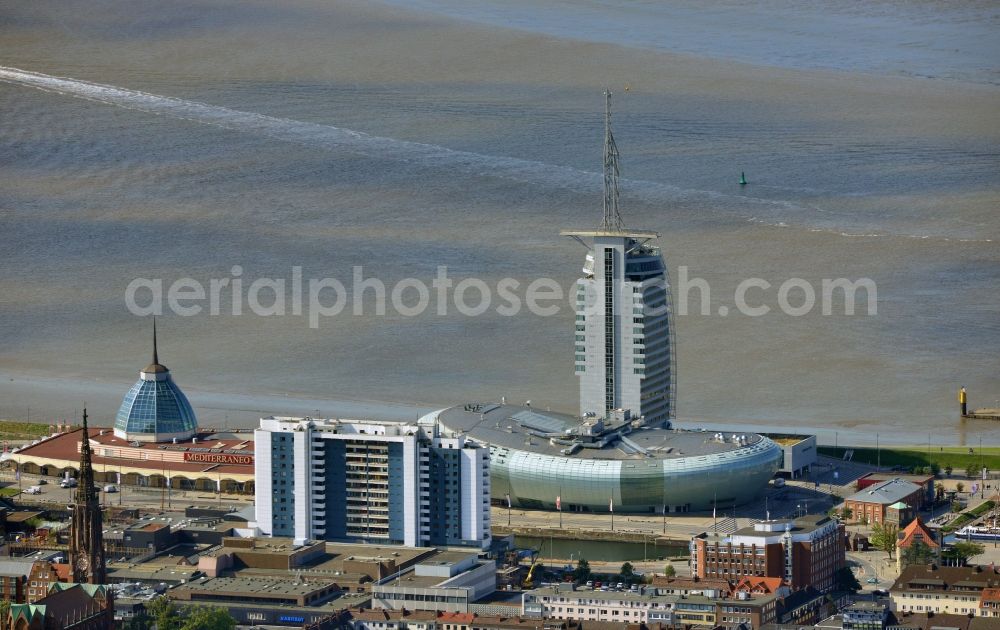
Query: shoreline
[[225, 410]]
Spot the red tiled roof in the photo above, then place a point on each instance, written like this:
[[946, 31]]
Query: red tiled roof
[[913, 530], [63, 571], [65, 447], [990, 595], [759, 584]]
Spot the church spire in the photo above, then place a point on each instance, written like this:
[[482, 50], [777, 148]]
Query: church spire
[[612, 216], [86, 548], [85, 494]]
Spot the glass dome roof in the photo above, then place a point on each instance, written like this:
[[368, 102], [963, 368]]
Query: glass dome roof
[[155, 409]]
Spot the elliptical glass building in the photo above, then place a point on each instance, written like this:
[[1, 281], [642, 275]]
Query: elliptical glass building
[[618, 463]]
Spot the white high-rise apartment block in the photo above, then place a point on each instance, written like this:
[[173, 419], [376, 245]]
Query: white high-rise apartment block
[[378, 482], [624, 333]]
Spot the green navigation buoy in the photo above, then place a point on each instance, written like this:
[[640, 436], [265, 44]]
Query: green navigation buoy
[[743, 179]]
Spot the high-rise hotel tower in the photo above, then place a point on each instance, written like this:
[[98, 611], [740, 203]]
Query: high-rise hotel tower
[[624, 333], [374, 482]]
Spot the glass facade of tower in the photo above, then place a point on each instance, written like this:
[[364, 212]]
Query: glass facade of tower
[[623, 339]]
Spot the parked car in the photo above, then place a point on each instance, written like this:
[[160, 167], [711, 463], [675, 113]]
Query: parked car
[[111, 488], [33, 490]]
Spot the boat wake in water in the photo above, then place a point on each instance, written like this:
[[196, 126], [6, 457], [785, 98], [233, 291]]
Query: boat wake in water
[[779, 213]]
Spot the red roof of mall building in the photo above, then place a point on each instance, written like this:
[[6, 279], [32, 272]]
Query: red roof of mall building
[[66, 447]]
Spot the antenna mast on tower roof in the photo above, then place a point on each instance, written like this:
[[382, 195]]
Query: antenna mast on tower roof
[[612, 217]]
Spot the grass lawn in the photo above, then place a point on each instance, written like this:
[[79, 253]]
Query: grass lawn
[[957, 457], [8, 492], [967, 517], [14, 430]]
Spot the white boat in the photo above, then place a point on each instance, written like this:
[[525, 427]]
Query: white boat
[[978, 533]]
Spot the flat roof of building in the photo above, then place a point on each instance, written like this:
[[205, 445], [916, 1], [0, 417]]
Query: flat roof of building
[[638, 234], [12, 568], [801, 525], [335, 555], [531, 429], [23, 515], [255, 586], [411, 580], [789, 439], [149, 572]]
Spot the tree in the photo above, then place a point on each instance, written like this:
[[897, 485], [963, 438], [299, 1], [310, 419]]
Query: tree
[[960, 487], [208, 618], [4, 614], [627, 572], [884, 537], [164, 612], [972, 472], [918, 553], [846, 513], [956, 506], [947, 470], [846, 580], [140, 621], [962, 552], [669, 570], [582, 571]]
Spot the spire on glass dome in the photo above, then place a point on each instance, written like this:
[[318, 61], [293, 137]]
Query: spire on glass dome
[[155, 366]]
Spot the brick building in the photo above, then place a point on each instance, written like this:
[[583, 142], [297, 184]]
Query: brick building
[[924, 481], [807, 551], [43, 575], [14, 580], [873, 503]]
